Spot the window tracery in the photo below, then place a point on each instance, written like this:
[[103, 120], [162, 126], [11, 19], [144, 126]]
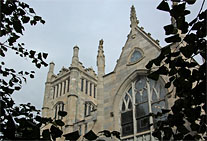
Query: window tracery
[[144, 96]]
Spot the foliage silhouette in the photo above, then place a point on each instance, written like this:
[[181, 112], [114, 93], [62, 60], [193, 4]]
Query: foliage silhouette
[[17, 122], [23, 122], [187, 118]]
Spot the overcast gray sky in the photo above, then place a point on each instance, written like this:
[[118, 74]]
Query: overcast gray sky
[[83, 23]]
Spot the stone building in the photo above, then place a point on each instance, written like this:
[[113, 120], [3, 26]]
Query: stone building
[[120, 100]]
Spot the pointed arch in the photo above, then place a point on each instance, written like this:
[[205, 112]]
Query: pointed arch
[[147, 96]]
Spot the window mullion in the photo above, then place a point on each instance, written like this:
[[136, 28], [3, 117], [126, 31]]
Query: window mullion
[[149, 95], [134, 109]]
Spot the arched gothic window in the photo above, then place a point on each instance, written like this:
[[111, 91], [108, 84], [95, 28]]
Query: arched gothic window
[[58, 107], [144, 96]]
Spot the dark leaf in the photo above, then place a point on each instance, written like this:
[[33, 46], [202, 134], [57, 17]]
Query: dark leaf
[[116, 134], [149, 65], [164, 111], [38, 118], [90, 135], [55, 132], [173, 39], [17, 88], [9, 132], [25, 19], [186, 12], [182, 129], [4, 48], [194, 127], [39, 56], [42, 21], [193, 21], [32, 72], [2, 53], [26, 72], [167, 133], [173, 71], [178, 11], [31, 10], [190, 38], [178, 136], [157, 134], [46, 134], [158, 60], [59, 122], [165, 50], [62, 113], [197, 137], [32, 53], [31, 76], [170, 29], [33, 22], [197, 26], [37, 18], [163, 70], [38, 65], [106, 133], [44, 55], [72, 136], [190, 1], [188, 138], [203, 15], [164, 6], [154, 75], [18, 26], [184, 27]]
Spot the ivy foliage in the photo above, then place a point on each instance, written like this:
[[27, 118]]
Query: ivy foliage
[[17, 122], [187, 118]]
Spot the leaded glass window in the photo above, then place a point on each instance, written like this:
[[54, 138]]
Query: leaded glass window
[[144, 96]]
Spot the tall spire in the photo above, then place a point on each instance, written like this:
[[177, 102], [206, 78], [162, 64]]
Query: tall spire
[[133, 18]]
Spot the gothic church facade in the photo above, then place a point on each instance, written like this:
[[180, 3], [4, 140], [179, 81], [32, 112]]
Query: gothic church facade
[[117, 101]]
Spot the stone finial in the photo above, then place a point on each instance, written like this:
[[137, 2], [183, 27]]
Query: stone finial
[[100, 48], [101, 42], [50, 72], [133, 17], [101, 59], [75, 51], [75, 58], [51, 67]]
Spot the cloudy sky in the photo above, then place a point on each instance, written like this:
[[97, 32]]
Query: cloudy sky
[[83, 23]]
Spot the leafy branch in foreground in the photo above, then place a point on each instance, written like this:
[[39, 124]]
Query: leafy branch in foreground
[[187, 119], [55, 130], [14, 121]]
